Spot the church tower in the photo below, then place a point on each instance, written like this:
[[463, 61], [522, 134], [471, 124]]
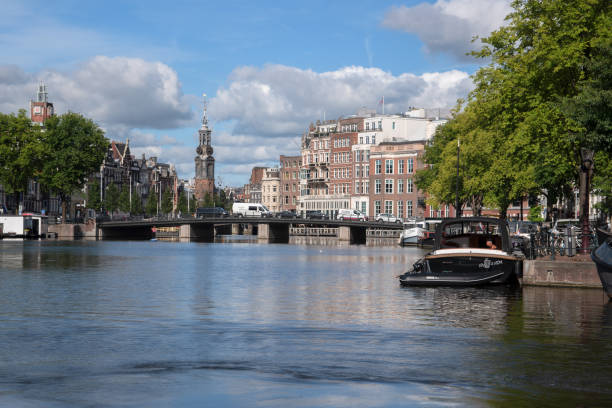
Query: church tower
[[204, 161], [41, 109]]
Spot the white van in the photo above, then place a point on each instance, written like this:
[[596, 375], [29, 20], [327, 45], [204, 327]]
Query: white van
[[250, 210], [348, 214]]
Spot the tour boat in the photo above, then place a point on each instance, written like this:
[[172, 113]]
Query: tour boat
[[468, 251], [602, 256]]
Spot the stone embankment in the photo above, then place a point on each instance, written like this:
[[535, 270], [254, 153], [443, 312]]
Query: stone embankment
[[64, 231], [576, 271]]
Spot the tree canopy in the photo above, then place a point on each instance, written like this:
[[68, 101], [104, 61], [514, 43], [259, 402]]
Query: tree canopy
[[74, 148], [544, 95]]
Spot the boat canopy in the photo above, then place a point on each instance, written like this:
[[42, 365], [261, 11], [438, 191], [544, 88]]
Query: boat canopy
[[473, 232]]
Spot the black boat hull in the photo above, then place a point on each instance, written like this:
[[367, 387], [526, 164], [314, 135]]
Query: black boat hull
[[466, 270], [602, 256]]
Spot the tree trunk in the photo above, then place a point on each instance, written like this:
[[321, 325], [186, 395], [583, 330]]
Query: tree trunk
[[63, 211]]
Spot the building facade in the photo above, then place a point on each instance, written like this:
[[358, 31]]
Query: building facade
[[290, 181], [270, 189]]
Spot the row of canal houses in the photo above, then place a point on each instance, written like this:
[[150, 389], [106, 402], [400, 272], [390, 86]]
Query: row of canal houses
[[365, 162]]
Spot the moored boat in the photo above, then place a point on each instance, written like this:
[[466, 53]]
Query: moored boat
[[467, 251], [602, 256], [413, 233]]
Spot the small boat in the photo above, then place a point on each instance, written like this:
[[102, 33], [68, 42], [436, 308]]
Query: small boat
[[467, 252], [413, 233], [602, 256]]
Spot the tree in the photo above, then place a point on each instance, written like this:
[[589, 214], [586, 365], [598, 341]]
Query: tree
[[111, 201], [151, 205], [517, 120], [124, 200], [75, 147], [21, 152], [166, 204], [182, 203], [136, 203], [93, 196]]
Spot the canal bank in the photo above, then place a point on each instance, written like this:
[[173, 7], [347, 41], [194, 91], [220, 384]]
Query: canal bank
[[578, 271]]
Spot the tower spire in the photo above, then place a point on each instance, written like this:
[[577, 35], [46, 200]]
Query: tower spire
[[205, 113]]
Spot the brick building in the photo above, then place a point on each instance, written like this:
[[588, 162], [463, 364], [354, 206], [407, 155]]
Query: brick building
[[290, 181]]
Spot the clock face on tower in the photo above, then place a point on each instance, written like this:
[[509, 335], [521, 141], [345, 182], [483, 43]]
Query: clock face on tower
[[199, 150], [209, 150]]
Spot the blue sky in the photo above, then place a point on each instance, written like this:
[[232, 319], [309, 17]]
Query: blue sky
[[269, 68]]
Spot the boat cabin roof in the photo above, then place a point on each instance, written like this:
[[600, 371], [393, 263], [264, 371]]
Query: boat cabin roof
[[473, 232]]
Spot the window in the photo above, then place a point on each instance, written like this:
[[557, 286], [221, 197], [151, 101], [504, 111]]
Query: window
[[400, 209], [363, 207], [380, 125], [409, 186], [410, 165], [389, 186], [286, 199], [367, 139], [360, 139], [400, 167], [286, 187], [400, 186], [409, 208], [357, 188], [389, 166], [393, 125], [388, 207], [373, 139], [377, 186], [376, 207], [367, 187], [431, 212], [367, 125], [366, 170], [378, 167]]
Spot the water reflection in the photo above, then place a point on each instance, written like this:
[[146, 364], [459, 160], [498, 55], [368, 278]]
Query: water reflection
[[171, 323]]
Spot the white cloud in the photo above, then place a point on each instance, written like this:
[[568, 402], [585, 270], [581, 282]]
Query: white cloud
[[278, 100], [448, 26], [115, 92]]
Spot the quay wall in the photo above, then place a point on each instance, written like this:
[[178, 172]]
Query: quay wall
[[561, 272], [73, 230]]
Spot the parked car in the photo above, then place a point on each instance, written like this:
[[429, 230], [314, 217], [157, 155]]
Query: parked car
[[211, 212], [286, 214], [388, 218], [316, 215], [348, 214]]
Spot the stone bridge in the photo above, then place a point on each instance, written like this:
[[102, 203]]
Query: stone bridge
[[268, 229]]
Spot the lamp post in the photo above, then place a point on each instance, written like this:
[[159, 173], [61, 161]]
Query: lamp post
[[585, 172], [457, 208]]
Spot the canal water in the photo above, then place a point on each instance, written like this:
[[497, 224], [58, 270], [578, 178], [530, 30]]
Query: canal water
[[169, 324]]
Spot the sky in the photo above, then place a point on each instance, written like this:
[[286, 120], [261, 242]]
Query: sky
[[269, 68]]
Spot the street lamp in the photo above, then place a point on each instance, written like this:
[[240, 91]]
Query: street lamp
[[585, 172]]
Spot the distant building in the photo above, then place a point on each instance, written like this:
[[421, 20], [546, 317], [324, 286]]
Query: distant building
[[270, 189], [289, 182], [41, 109], [204, 161]]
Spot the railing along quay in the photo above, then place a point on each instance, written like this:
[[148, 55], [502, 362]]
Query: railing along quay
[[379, 233], [313, 232]]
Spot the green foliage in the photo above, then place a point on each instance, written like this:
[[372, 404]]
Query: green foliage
[[545, 94], [151, 205], [136, 203], [74, 147], [93, 196], [535, 214], [166, 204], [602, 182], [182, 202], [21, 151], [111, 199], [124, 199]]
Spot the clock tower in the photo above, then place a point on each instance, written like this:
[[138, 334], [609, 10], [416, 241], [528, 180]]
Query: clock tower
[[204, 161]]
